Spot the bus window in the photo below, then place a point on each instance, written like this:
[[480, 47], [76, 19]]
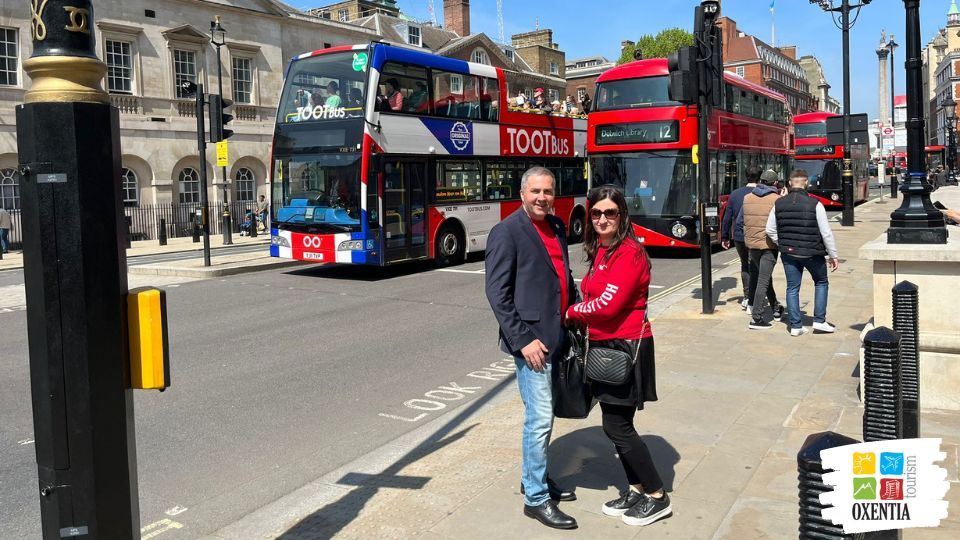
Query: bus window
[[459, 181], [457, 95], [318, 88], [489, 100], [633, 94], [411, 84], [503, 180], [572, 181], [746, 103]]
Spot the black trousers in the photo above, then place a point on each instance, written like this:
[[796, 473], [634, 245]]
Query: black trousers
[[634, 454], [744, 253]]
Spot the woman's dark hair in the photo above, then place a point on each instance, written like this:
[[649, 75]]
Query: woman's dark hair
[[591, 241]]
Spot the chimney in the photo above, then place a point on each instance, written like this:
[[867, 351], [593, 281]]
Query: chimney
[[790, 51], [624, 44], [456, 16]]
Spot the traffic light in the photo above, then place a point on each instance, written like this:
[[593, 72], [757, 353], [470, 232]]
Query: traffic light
[[219, 119], [683, 74]]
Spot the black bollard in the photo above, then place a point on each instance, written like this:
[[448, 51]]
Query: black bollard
[[162, 233], [253, 225], [227, 233], [810, 475], [196, 230], [906, 322], [894, 184], [882, 405]]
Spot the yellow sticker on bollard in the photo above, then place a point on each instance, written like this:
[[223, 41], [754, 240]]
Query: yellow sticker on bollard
[[147, 339]]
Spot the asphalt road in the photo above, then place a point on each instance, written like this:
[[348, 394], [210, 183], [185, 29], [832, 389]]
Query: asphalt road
[[281, 376]]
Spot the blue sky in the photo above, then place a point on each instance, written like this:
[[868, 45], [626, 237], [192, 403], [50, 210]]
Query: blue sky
[[591, 27]]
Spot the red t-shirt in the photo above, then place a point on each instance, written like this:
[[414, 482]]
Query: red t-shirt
[[550, 241], [615, 294]]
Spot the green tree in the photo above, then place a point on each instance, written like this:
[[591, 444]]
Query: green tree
[[658, 46]]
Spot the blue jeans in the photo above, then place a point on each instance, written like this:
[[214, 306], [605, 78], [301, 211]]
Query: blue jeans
[[4, 244], [793, 270], [536, 391]]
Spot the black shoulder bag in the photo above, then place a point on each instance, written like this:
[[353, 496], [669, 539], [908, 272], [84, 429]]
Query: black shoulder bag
[[610, 366], [571, 393]]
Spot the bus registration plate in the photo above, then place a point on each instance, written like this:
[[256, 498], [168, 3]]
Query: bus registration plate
[[312, 256]]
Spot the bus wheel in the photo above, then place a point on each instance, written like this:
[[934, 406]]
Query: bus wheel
[[450, 246], [575, 234]]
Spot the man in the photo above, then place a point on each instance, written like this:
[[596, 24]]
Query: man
[[529, 286], [262, 207], [733, 229], [763, 253], [798, 224], [5, 226]]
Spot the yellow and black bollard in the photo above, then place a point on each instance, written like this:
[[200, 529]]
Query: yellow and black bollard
[[76, 282]]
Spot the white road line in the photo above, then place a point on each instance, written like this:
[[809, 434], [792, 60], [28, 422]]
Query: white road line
[[25, 442], [657, 286], [454, 270]]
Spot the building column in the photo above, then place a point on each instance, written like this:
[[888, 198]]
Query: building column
[[886, 117]]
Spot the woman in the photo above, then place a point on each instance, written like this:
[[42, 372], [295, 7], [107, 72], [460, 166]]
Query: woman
[[614, 310]]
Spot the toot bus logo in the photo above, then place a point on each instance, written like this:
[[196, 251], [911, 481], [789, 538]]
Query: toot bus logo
[[535, 142]]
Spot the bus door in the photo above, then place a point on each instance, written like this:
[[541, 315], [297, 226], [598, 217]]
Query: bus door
[[404, 209]]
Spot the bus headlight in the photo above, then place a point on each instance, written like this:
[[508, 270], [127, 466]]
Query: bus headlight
[[350, 245], [279, 241], [679, 230], [834, 197]]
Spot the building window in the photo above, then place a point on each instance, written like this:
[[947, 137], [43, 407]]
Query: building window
[[242, 80], [480, 57], [413, 35], [554, 68], [343, 15], [740, 71], [119, 67], [9, 189], [553, 95], [456, 84], [189, 187], [9, 57], [509, 54], [184, 69], [131, 191], [246, 184]]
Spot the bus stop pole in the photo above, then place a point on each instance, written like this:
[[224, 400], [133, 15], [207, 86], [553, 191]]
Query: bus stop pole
[[75, 278]]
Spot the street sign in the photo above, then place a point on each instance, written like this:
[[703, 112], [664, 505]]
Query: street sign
[[888, 131], [222, 154]]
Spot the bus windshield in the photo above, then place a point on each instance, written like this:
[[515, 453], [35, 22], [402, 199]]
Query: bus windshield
[[320, 191], [654, 183], [633, 94], [822, 173], [811, 131], [324, 87]]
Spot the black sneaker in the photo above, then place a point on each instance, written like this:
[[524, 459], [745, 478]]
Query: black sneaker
[[623, 503], [760, 325], [778, 312], [648, 510]]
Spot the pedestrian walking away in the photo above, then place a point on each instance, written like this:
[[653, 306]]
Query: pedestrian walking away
[[614, 311], [732, 230], [529, 286], [799, 226], [763, 252], [5, 225]]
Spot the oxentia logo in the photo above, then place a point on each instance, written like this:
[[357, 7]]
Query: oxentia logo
[[885, 485]]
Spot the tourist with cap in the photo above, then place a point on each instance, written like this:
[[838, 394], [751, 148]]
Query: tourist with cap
[[763, 251], [540, 102]]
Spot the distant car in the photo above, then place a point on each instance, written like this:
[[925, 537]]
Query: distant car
[[872, 168]]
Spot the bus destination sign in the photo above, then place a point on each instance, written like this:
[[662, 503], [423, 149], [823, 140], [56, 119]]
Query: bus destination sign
[[639, 132], [815, 149]]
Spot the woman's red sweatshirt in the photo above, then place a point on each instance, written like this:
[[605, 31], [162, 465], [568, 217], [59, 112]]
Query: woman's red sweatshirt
[[615, 294]]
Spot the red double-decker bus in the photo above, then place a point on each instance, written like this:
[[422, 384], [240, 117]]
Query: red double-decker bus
[[824, 162], [640, 140]]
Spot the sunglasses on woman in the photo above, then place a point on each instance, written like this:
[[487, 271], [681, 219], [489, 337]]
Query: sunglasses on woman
[[609, 213]]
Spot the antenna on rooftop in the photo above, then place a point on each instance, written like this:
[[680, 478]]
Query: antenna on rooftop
[[433, 13], [500, 19]]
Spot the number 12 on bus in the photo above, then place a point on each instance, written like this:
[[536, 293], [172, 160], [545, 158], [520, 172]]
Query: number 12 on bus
[[383, 155]]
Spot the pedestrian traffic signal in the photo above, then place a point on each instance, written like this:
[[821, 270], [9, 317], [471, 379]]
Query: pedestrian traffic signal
[[219, 119], [683, 75]]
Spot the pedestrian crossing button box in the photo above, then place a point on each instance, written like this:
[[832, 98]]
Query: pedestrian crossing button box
[[711, 217], [147, 336]]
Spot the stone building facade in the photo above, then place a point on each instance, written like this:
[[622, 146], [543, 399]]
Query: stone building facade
[[582, 75], [149, 48], [818, 83]]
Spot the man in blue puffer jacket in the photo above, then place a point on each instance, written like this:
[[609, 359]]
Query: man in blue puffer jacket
[[733, 229]]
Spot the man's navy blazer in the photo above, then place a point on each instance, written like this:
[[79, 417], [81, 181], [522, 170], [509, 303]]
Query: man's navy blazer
[[522, 285]]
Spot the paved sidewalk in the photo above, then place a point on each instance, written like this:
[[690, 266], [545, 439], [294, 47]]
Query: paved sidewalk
[[14, 259], [735, 406]]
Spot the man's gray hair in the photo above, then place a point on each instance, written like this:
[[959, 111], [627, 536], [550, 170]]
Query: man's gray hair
[[536, 171]]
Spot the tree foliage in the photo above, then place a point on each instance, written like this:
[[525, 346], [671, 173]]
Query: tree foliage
[[658, 46]]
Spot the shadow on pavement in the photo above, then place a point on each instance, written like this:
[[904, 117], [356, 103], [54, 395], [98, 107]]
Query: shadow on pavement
[[719, 287], [587, 459], [327, 521]]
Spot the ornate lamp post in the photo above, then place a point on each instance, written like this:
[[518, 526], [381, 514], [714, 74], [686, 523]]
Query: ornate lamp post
[[845, 24], [916, 221], [950, 115], [218, 37]]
